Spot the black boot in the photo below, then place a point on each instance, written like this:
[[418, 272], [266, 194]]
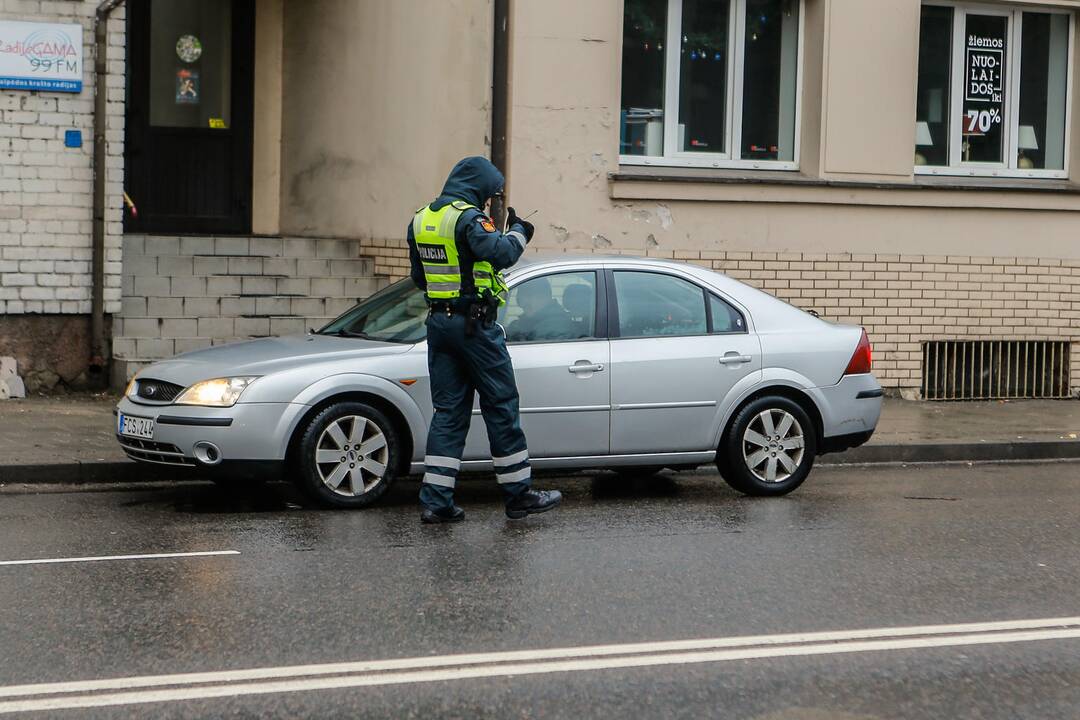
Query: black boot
[[451, 514], [531, 502]]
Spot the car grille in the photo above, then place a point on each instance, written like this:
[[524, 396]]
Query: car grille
[[155, 452], [158, 390]]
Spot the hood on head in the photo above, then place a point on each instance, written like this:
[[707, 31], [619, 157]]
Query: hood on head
[[474, 180]]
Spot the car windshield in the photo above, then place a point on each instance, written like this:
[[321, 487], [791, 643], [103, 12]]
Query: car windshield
[[394, 314]]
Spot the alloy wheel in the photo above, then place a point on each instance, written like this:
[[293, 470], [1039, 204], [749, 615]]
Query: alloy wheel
[[773, 445], [351, 455]]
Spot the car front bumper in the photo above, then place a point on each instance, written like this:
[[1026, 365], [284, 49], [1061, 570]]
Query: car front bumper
[[245, 432]]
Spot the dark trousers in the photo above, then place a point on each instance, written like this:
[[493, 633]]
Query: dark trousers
[[460, 365]]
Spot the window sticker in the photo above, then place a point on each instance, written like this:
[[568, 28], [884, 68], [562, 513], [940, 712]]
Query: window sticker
[[188, 48], [187, 87]]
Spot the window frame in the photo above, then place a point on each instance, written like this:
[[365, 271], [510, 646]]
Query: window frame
[[1007, 169], [672, 157], [600, 316], [614, 332]]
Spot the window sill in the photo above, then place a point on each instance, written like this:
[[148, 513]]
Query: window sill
[[770, 186]]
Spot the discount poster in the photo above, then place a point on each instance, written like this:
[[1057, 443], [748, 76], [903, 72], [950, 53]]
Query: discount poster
[[984, 87]]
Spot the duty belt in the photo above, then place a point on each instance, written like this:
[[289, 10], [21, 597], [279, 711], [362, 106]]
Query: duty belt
[[450, 308], [482, 311]]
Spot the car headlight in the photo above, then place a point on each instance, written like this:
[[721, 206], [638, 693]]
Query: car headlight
[[132, 388], [220, 392]]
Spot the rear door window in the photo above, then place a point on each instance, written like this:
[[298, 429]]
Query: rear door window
[[724, 318], [655, 305]]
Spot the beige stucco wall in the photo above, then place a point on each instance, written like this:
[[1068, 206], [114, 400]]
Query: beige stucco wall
[[856, 128], [372, 120], [380, 98], [266, 143], [852, 234], [868, 93]]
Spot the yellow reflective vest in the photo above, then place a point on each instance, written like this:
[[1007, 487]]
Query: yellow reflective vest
[[436, 244]]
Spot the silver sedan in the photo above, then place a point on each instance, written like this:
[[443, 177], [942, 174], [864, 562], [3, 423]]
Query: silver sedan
[[630, 364]]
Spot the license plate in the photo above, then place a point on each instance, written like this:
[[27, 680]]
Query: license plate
[[136, 427]]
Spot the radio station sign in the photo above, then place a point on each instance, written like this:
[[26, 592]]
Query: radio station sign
[[41, 56]]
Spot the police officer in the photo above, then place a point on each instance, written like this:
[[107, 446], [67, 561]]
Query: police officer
[[457, 255]]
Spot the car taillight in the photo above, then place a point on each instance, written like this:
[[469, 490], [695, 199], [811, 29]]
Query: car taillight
[[861, 361]]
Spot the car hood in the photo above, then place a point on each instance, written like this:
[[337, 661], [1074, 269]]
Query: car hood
[[265, 356]]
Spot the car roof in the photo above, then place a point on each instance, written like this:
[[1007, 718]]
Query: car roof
[[556, 260], [532, 261]]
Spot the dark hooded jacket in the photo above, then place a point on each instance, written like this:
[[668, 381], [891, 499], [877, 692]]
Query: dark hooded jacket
[[474, 180]]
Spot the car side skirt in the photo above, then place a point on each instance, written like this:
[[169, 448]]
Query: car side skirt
[[585, 462]]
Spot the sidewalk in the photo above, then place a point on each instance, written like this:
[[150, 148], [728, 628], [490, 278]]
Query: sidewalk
[[71, 439]]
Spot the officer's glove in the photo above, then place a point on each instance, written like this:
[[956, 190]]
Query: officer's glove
[[513, 219]]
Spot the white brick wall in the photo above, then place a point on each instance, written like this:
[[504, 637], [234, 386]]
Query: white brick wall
[[186, 293], [46, 189]]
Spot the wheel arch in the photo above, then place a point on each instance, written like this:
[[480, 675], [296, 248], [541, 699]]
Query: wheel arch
[[393, 402], [401, 425], [796, 395]]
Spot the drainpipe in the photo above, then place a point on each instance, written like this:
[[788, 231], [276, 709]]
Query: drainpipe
[[500, 100], [97, 294]]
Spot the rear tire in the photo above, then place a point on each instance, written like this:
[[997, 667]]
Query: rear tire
[[347, 455], [769, 448]]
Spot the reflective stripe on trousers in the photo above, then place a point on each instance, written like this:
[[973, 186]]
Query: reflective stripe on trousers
[[508, 460], [439, 480], [516, 476], [442, 461]]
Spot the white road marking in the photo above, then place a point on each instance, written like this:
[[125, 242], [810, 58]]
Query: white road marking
[[522, 662], [99, 558]]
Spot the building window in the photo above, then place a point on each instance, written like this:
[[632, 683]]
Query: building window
[[993, 91], [710, 83]]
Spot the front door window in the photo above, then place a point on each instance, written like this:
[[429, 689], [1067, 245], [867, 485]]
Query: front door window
[[551, 308]]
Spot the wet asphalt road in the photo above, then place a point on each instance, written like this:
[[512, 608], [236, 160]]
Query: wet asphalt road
[[677, 557]]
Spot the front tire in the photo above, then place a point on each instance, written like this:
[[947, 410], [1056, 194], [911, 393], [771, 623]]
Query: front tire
[[769, 448], [347, 455]]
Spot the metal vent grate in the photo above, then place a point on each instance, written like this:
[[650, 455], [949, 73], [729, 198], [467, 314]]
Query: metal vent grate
[[995, 369]]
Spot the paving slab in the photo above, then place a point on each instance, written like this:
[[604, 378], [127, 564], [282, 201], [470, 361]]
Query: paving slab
[[62, 439], [971, 431], [71, 438]]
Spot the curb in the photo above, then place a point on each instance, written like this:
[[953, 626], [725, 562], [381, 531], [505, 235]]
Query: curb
[[957, 452], [127, 471], [85, 472]]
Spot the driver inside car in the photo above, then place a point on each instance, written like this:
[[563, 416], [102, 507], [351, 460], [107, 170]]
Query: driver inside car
[[542, 318]]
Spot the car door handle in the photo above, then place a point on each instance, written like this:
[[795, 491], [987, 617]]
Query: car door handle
[[586, 367], [734, 358]]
